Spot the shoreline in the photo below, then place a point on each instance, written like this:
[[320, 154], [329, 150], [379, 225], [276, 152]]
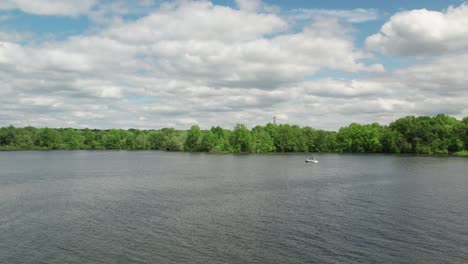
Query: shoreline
[[461, 154]]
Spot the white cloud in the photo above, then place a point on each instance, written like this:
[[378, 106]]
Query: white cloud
[[50, 7], [195, 62], [423, 32], [198, 20], [441, 76]]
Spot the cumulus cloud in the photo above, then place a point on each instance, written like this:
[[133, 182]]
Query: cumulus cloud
[[198, 20], [441, 76], [423, 32], [182, 41], [194, 62]]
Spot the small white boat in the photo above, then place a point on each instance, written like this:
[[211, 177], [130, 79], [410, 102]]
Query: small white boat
[[311, 160]]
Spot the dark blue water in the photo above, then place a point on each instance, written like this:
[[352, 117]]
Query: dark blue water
[[156, 207]]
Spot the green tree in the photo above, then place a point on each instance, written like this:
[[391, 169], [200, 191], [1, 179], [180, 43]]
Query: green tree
[[129, 141], [155, 139], [439, 134], [171, 140], [390, 141], [241, 140], [326, 141], [7, 135], [261, 140], [464, 134], [23, 138], [207, 142], [222, 138], [310, 137], [290, 139], [49, 138], [111, 139], [141, 141], [193, 140], [360, 138], [72, 139]]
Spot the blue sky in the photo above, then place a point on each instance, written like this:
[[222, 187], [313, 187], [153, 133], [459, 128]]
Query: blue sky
[[85, 63]]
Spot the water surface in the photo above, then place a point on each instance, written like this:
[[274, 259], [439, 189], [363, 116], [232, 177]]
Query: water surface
[[157, 207]]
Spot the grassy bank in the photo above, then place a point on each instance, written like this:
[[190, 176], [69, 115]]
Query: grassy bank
[[463, 153]]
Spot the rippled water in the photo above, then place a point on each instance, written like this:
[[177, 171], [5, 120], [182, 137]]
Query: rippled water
[[156, 207]]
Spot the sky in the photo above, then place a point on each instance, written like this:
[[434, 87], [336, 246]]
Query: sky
[[151, 64]]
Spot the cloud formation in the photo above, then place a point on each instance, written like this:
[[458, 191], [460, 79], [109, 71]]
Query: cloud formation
[[423, 32], [194, 62]]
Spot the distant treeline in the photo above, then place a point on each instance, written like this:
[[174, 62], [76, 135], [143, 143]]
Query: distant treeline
[[441, 134]]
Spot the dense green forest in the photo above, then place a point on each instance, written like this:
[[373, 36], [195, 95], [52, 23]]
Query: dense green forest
[[441, 134]]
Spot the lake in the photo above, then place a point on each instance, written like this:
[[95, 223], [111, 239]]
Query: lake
[[158, 207]]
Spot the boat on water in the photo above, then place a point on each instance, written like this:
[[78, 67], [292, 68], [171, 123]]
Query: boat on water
[[311, 160]]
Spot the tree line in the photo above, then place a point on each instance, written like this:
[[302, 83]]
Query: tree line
[[441, 134]]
